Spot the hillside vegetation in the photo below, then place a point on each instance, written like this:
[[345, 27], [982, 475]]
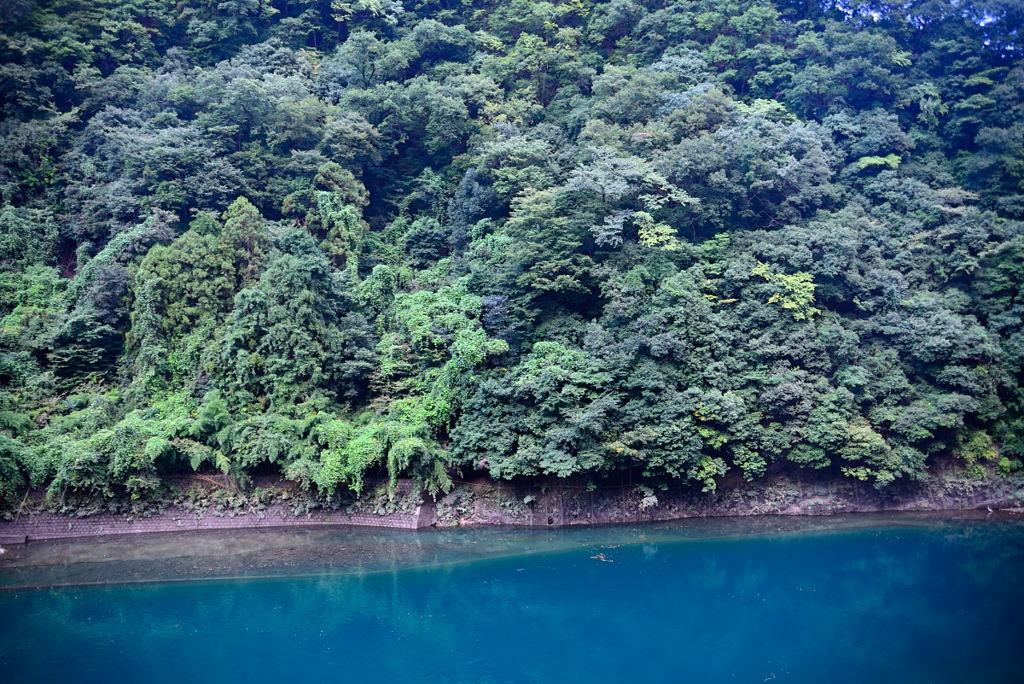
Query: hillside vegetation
[[347, 240]]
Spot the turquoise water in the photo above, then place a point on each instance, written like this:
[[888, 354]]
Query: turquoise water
[[924, 601]]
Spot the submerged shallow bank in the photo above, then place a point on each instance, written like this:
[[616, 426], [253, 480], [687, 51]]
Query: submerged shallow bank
[[537, 504], [344, 550]]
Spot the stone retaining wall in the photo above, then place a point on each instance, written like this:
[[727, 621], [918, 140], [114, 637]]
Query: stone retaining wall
[[800, 493], [40, 526]]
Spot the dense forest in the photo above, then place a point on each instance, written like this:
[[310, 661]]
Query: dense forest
[[381, 239]]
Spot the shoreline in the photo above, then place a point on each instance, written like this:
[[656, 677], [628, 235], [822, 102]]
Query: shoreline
[[485, 503]]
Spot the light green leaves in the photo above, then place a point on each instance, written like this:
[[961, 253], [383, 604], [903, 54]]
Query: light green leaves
[[795, 292], [890, 160], [656, 235]]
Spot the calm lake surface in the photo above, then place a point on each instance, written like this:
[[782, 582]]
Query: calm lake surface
[[846, 599]]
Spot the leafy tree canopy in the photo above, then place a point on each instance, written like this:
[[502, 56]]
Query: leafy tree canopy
[[373, 239]]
